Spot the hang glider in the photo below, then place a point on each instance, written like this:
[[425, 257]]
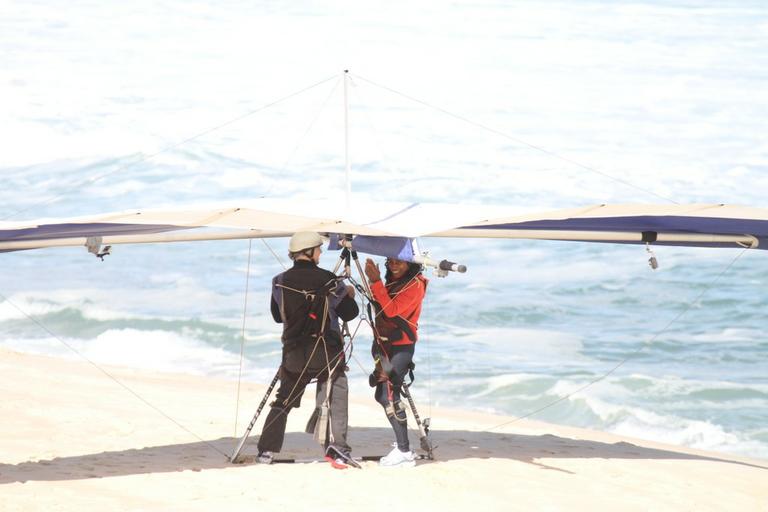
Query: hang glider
[[703, 225]]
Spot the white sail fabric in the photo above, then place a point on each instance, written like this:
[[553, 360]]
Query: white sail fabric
[[252, 219]]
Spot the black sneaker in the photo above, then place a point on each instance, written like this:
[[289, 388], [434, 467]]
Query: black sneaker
[[339, 459]]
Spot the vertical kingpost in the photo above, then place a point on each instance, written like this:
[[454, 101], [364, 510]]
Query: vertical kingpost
[[348, 188]]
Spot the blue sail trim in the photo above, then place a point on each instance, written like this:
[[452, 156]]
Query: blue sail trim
[[640, 223], [400, 248], [75, 230]]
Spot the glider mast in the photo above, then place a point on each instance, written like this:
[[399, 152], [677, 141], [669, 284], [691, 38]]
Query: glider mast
[[348, 185]]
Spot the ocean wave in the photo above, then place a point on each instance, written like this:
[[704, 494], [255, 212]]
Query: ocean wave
[[667, 428], [150, 350], [642, 406], [514, 344]]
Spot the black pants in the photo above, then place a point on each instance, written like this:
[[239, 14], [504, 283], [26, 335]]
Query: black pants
[[388, 393], [289, 396]]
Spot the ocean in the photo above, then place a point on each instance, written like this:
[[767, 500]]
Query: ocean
[[110, 106]]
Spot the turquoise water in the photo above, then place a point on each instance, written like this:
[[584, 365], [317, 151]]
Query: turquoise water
[[667, 97]]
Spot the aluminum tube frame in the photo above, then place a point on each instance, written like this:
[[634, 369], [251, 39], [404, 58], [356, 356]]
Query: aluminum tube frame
[[596, 236], [140, 239]]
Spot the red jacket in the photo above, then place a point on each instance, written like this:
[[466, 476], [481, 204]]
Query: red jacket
[[405, 304]]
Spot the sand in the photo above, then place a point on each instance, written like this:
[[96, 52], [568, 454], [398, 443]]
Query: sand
[[75, 439]]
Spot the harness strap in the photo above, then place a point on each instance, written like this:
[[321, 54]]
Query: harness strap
[[324, 290], [316, 310], [309, 295], [403, 325], [411, 367]]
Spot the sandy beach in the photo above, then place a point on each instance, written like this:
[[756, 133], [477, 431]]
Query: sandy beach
[[75, 439]]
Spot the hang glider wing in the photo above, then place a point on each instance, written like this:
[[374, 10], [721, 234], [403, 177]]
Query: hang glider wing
[[702, 225], [698, 225], [262, 218]]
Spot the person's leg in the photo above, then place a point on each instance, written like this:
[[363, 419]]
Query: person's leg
[[339, 411], [288, 396], [388, 395], [400, 358], [273, 433]]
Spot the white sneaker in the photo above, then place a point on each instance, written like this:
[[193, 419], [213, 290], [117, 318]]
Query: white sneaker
[[265, 457], [397, 459]]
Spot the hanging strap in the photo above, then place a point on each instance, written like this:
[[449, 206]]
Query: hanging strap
[[316, 316]]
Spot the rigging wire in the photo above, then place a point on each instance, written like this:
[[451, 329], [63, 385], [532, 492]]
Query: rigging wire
[[280, 261], [376, 135], [111, 377], [144, 158], [293, 153], [516, 140], [242, 336], [352, 337], [632, 354], [309, 128]]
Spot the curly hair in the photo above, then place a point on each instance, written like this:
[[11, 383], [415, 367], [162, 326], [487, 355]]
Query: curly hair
[[414, 269]]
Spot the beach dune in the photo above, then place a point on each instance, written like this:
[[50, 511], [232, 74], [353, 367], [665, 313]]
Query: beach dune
[[75, 438]]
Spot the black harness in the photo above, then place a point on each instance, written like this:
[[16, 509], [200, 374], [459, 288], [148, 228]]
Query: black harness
[[308, 351]]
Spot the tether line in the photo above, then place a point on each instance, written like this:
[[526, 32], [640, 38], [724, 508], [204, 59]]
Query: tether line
[[94, 179], [112, 377], [515, 139], [633, 353]]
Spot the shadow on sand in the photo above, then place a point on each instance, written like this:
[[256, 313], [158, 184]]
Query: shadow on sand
[[451, 445]]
